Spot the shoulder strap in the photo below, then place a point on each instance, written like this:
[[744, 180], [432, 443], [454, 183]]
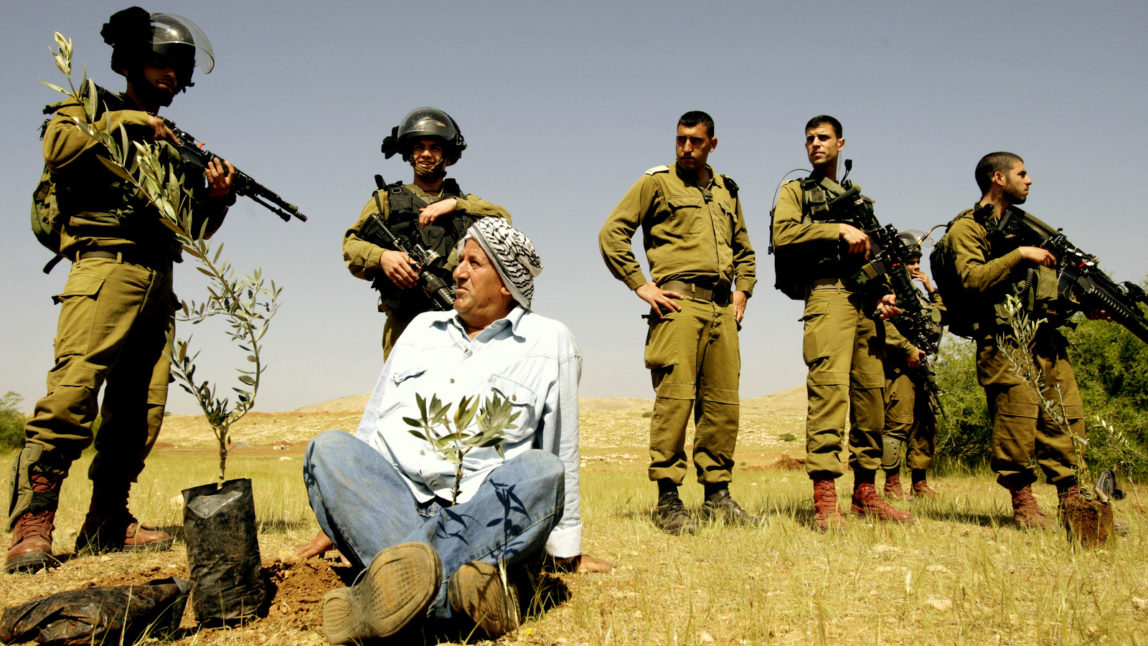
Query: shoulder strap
[[451, 188], [814, 198], [730, 185]]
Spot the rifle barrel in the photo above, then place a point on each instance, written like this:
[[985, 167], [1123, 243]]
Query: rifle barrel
[[194, 152]]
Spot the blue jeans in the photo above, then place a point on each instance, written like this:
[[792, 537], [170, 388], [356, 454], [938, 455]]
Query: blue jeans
[[364, 505]]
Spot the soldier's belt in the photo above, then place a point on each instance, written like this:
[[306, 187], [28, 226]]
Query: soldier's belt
[[128, 256], [717, 295], [827, 282]]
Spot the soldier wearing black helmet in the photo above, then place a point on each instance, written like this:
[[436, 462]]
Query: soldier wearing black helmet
[[910, 420], [117, 305], [431, 210]]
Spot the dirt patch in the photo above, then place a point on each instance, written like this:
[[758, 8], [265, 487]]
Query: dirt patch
[[788, 463], [298, 589], [1088, 521]]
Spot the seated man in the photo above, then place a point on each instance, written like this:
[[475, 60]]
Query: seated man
[[384, 495]]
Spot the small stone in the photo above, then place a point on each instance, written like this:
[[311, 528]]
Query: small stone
[[939, 604]]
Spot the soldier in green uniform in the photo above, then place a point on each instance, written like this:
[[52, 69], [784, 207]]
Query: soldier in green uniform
[[703, 272], [431, 211], [988, 268], [843, 347], [909, 417], [117, 304]]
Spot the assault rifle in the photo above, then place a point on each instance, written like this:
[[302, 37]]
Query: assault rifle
[[888, 259], [1080, 282], [195, 155], [376, 231]]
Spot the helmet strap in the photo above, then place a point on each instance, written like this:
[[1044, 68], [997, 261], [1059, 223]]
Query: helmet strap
[[430, 175]]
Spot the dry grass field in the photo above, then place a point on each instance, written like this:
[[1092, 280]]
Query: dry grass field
[[963, 574]]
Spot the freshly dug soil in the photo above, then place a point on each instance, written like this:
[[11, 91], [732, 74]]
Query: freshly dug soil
[[297, 589], [1088, 521]]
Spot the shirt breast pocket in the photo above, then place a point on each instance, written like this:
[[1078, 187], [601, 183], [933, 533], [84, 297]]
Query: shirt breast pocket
[[523, 403], [724, 220], [685, 215], [405, 377]]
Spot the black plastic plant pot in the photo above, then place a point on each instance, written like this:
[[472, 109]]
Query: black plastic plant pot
[[227, 585]]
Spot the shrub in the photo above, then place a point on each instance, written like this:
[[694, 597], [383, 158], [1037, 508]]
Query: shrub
[[964, 434], [1111, 367], [11, 421]]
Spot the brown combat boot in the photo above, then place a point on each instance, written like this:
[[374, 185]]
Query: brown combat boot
[[921, 488], [827, 517], [110, 527], [893, 486], [1026, 510], [866, 503], [31, 547]]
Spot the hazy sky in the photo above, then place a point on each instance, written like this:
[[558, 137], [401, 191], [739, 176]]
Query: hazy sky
[[564, 105]]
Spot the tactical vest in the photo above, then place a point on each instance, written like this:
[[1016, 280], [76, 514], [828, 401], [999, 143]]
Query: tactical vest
[[974, 314], [794, 269], [441, 237], [45, 213], [934, 322], [86, 200]]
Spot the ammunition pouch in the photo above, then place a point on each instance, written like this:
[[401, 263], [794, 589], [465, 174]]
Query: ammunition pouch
[[440, 237]]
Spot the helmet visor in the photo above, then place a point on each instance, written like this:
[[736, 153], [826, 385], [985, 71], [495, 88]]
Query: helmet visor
[[170, 29]]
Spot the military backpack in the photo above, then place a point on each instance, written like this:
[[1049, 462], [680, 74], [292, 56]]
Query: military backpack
[[794, 268], [959, 306], [45, 213]]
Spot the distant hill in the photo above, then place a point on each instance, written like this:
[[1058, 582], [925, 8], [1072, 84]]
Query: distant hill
[[351, 403], [786, 402], [606, 421]]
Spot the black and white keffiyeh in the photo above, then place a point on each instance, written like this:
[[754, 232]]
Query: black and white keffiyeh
[[512, 252]]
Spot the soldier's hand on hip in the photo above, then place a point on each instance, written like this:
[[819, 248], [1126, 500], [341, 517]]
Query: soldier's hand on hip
[[399, 268], [740, 299], [433, 211], [659, 299]]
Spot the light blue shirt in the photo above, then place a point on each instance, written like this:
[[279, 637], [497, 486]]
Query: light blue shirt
[[531, 360]]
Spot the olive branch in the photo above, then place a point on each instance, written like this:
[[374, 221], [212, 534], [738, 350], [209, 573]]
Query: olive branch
[[453, 437], [247, 304], [1017, 342]]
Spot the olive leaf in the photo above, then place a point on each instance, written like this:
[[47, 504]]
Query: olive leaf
[[246, 303], [472, 426]]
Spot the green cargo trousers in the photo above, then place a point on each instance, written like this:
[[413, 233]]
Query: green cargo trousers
[[909, 419], [844, 350], [397, 322], [113, 320], [1022, 429], [695, 364]]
